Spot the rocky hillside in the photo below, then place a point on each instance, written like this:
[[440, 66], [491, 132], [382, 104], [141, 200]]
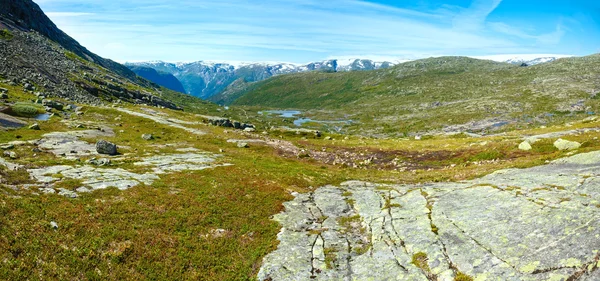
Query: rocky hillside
[[37, 57], [206, 79], [162, 78], [449, 93], [25, 15]]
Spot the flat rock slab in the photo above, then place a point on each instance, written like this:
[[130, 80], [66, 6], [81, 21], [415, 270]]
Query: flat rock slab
[[68, 144], [101, 178], [175, 123], [8, 121], [540, 223]]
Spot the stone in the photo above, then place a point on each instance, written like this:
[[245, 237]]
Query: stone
[[28, 87], [327, 138], [99, 162], [54, 225], [13, 155], [242, 145], [147, 136], [67, 193], [3, 96], [34, 126], [52, 104], [561, 144], [526, 146], [3, 90], [250, 130], [105, 147], [7, 146]]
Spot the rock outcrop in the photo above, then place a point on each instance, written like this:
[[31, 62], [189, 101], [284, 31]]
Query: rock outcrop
[[520, 224]]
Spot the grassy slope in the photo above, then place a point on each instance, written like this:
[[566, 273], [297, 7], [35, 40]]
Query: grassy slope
[[431, 93]]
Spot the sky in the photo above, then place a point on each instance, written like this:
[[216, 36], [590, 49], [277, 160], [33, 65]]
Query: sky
[[300, 31]]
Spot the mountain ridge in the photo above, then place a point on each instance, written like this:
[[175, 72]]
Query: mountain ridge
[[209, 79]]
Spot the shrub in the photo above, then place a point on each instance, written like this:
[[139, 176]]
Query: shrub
[[6, 34], [462, 277], [26, 109]]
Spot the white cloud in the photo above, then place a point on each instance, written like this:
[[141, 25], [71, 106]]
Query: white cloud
[[286, 30]]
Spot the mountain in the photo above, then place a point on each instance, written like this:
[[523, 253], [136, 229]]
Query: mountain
[[207, 79], [162, 78], [436, 93], [524, 60], [38, 57]]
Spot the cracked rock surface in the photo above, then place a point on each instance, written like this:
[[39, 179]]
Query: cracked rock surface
[[539, 223]]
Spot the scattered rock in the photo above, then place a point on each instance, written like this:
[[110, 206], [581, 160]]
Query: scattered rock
[[7, 146], [28, 87], [250, 130], [83, 189], [3, 90], [52, 104], [54, 225], [526, 146], [327, 138], [147, 136], [67, 193], [566, 145], [13, 155], [35, 126], [105, 147], [99, 162], [3, 96], [242, 145]]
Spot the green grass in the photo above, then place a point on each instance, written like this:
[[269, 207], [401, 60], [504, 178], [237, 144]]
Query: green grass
[[164, 231], [5, 34]]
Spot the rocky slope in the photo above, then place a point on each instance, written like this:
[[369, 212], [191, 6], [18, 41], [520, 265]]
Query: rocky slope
[[25, 15], [206, 79], [37, 57]]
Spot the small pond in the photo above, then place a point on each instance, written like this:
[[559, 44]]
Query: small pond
[[301, 120], [43, 117]]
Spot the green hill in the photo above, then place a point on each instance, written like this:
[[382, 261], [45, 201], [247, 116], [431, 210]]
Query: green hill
[[436, 93]]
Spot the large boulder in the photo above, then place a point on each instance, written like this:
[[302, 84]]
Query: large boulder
[[526, 146], [105, 147], [566, 145]]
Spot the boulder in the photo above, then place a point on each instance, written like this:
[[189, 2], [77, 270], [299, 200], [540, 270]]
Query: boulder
[[52, 104], [105, 147], [3, 90], [525, 146], [242, 145], [147, 136], [99, 162], [561, 144], [7, 146], [3, 96], [250, 130], [35, 126]]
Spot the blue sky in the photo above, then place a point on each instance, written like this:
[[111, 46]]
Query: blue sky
[[310, 30]]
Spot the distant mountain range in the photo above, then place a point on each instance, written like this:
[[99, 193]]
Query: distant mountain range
[[205, 79]]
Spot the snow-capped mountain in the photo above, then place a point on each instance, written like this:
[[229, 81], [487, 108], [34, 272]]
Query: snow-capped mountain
[[528, 59], [205, 79]]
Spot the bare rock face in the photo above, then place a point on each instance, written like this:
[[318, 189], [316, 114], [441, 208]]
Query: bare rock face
[[538, 223], [105, 147]]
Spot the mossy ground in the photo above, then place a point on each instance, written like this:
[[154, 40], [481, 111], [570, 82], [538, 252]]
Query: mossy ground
[[165, 231]]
